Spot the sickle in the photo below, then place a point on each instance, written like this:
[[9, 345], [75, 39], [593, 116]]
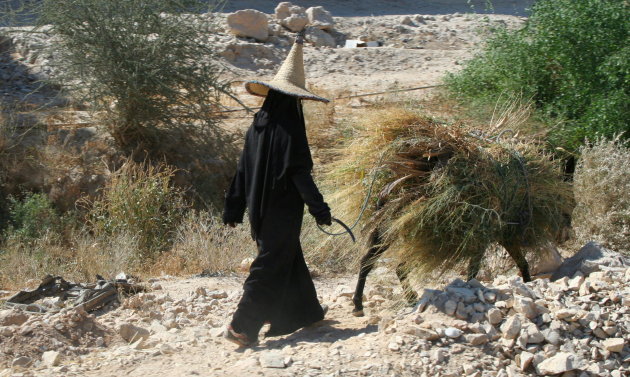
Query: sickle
[[347, 229]]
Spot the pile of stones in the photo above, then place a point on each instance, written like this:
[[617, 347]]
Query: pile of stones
[[575, 326], [316, 22]]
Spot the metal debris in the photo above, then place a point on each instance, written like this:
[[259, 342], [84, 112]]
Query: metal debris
[[90, 296]]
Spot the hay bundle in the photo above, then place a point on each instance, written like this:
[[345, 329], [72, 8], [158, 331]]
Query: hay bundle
[[446, 195]]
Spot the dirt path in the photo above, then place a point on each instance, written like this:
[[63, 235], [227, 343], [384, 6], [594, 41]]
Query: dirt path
[[340, 345]]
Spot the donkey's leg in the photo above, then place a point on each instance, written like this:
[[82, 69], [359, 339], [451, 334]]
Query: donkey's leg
[[367, 263], [474, 265], [514, 251], [402, 271]]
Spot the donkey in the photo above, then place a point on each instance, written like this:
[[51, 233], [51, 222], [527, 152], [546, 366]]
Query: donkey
[[376, 247]]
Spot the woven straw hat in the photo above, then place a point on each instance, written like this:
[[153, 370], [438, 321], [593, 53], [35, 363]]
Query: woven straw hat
[[289, 79]]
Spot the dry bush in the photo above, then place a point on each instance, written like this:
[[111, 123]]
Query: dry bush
[[203, 243], [22, 260], [140, 199], [602, 195]]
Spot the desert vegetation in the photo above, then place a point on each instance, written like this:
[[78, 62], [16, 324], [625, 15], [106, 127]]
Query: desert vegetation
[[151, 79], [570, 59]]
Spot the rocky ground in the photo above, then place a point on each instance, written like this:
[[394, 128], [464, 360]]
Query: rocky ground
[[576, 325], [415, 50]]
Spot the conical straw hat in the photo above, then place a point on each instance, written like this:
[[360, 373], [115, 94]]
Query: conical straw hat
[[289, 79]]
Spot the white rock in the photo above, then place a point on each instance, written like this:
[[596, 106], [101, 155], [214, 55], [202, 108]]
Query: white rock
[[438, 355], [12, 317], [393, 346], [511, 327], [156, 286], [423, 333], [613, 344], [476, 339], [283, 10], [295, 22], [132, 333], [6, 331], [217, 294], [525, 306], [576, 282], [494, 316], [452, 332], [525, 360], [559, 363], [532, 333], [272, 359], [51, 358], [249, 23], [320, 18], [319, 38]]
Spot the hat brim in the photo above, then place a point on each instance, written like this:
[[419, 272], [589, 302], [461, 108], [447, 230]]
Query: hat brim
[[261, 88]]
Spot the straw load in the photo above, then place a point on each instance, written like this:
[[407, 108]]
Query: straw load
[[443, 194]]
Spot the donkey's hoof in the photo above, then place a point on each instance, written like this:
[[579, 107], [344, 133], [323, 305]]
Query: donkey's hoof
[[358, 313]]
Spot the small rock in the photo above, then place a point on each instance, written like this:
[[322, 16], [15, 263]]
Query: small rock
[[6, 331], [438, 355], [511, 327], [320, 18], [295, 23], [532, 333], [217, 294], [560, 363], [613, 344], [132, 333], [51, 358], [393, 346], [12, 317], [21, 361], [525, 360], [319, 38], [494, 316], [525, 306], [476, 339], [452, 332], [283, 10], [156, 286], [272, 359]]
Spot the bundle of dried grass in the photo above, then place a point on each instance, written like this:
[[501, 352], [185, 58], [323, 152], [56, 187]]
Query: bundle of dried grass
[[446, 194]]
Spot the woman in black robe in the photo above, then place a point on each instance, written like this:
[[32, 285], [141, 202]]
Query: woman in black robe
[[273, 181]]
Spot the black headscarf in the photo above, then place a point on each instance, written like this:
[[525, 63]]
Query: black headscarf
[[275, 148]]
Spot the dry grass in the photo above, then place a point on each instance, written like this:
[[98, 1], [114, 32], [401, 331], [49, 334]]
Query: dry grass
[[203, 243], [86, 256], [602, 194], [449, 194]]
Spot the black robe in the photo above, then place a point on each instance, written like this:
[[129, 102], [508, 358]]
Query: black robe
[[273, 181]]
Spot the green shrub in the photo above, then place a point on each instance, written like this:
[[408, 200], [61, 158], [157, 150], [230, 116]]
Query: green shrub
[[147, 65], [572, 58], [32, 216], [140, 201]]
